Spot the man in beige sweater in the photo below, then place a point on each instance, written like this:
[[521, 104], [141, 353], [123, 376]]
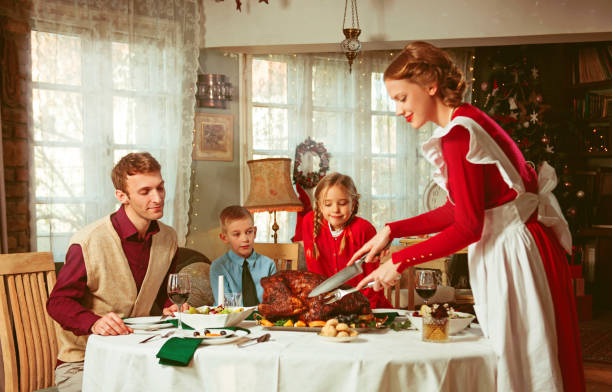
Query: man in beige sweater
[[115, 267]]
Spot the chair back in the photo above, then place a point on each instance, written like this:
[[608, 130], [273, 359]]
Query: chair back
[[28, 335], [284, 255]]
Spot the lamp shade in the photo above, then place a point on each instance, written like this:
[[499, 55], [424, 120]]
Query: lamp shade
[[271, 188]]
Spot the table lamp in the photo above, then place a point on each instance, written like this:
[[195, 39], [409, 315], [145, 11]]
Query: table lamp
[[270, 188]]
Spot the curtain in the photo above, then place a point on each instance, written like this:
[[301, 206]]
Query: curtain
[[292, 97], [108, 78]]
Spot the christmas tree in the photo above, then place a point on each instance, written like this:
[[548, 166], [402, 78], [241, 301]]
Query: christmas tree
[[512, 95]]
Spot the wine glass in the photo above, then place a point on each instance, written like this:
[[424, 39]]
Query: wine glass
[[426, 282], [179, 288]]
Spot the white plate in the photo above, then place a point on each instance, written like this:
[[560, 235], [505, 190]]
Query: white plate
[[150, 327], [145, 320], [216, 339], [343, 339]]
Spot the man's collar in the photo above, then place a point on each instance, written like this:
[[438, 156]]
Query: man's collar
[[126, 228]]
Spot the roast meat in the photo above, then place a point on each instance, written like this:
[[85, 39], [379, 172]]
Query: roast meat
[[286, 296]]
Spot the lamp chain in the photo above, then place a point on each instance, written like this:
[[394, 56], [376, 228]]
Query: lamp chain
[[354, 14]]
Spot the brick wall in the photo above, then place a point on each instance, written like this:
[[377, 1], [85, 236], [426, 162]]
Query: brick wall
[[14, 98]]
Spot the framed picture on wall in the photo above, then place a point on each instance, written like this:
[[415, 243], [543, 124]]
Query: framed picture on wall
[[213, 137]]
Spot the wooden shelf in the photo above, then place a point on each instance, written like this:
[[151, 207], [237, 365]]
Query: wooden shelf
[[600, 86]]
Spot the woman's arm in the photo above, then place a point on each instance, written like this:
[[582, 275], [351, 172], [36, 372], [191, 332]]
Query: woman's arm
[[466, 182], [433, 221]]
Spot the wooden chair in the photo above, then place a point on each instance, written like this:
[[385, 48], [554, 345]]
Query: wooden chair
[[284, 255], [28, 335]]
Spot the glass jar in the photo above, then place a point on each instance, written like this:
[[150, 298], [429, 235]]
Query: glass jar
[[435, 330]]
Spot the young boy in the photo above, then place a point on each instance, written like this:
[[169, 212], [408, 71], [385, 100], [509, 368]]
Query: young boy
[[242, 268]]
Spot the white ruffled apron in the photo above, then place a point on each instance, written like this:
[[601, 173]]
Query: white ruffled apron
[[509, 284]]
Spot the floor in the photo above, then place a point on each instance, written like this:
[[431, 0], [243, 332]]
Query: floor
[[598, 375]]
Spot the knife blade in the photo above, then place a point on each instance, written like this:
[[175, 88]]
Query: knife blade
[[338, 278]]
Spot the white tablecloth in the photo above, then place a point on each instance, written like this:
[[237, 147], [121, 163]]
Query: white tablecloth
[[296, 362]]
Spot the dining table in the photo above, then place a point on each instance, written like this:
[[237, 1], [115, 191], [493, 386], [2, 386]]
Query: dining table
[[294, 361]]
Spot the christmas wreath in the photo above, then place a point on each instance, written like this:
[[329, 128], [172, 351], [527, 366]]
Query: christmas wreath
[[310, 179]]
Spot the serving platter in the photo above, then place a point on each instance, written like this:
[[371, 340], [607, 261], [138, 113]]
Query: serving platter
[[391, 316]]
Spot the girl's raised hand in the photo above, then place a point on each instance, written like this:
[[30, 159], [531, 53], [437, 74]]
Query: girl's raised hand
[[373, 247]]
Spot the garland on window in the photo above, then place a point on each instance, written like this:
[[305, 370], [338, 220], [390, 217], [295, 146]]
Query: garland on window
[[310, 179]]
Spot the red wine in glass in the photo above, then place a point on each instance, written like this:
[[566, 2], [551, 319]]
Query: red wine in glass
[[179, 288], [426, 293], [426, 282]]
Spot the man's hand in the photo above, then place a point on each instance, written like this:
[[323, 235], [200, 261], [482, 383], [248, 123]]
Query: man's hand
[[169, 311], [385, 276], [109, 325], [373, 247]]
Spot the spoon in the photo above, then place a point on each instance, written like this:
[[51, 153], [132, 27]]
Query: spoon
[[250, 342]]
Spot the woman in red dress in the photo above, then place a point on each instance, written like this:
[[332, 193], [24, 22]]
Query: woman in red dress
[[504, 211], [332, 232]]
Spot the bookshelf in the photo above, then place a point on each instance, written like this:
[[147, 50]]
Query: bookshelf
[[590, 94]]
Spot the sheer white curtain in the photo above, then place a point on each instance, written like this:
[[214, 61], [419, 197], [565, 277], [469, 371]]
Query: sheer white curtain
[[291, 97], [109, 77]]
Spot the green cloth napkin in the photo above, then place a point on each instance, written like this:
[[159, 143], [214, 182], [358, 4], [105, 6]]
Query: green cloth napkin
[[179, 351]]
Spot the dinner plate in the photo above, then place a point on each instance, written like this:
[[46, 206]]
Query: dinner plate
[[235, 335], [342, 339], [145, 320], [150, 327]]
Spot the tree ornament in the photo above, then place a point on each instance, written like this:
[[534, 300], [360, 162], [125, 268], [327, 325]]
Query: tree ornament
[[580, 194], [484, 86], [567, 184], [545, 139], [571, 212]]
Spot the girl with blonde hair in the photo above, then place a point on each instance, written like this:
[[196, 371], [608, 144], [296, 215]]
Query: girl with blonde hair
[[332, 232]]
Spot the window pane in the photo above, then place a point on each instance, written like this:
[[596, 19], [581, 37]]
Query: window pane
[[56, 58], [270, 130], [380, 99], [121, 65], [58, 172], [269, 81], [382, 212], [382, 175], [59, 218], [326, 127], [330, 89], [58, 116], [383, 135]]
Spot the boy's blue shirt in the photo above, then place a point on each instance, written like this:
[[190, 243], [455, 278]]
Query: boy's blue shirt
[[230, 266]]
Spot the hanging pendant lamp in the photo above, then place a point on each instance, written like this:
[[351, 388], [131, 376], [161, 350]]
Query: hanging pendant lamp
[[351, 45]]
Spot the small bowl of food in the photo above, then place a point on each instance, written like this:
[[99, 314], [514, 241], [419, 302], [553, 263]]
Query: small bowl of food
[[458, 321], [215, 316]]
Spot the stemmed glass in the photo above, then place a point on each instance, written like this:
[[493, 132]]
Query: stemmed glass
[[179, 288], [426, 282]]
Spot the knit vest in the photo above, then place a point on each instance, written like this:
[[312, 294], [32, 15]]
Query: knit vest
[[110, 283]]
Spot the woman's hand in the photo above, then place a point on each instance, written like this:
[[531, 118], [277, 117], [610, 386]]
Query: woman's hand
[[169, 311], [384, 276], [373, 247]]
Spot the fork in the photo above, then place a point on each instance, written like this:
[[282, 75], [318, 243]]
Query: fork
[[338, 294], [155, 337]]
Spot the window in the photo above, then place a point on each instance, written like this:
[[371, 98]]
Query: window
[[296, 96], [86, 115]]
